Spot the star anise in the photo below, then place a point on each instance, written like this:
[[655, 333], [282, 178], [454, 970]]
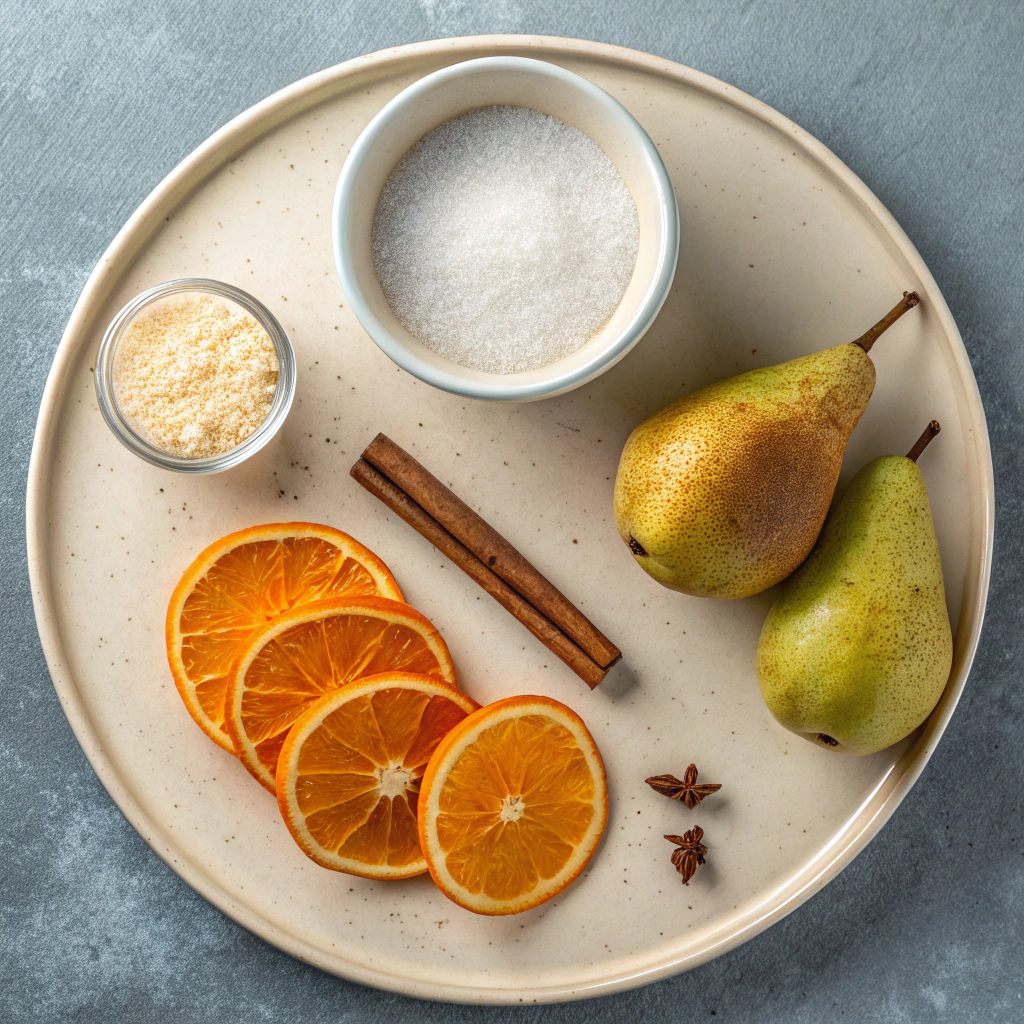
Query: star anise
[[689, 852], [688, 791]]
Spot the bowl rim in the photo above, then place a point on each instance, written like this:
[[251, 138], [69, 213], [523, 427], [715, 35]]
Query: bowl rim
[[120, 425], [500, 390]]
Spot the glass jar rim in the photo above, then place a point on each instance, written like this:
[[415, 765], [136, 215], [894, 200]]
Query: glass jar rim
[[132, 439]]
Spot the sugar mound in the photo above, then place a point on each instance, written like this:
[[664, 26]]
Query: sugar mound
[[505, 239], [194, 378]]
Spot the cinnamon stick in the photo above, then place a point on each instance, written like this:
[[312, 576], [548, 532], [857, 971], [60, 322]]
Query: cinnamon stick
[[489, 546], [554, 639]]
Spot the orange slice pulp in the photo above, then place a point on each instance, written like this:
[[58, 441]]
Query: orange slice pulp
[[310, 651], [349, 772], [512, 805], [242, 582]]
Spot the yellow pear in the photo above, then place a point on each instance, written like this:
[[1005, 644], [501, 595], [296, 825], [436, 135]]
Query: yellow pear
[[856, 651], [723, 492]]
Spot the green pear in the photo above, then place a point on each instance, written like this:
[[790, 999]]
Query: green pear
[[723, 492], [857, 649]]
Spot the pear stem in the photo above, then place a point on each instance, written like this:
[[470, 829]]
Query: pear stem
[[868, 338], [922, 442]]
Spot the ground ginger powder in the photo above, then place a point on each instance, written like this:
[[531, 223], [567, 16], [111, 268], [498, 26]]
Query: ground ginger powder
[[194, 378]]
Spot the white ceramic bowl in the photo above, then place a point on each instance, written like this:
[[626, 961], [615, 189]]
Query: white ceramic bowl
[[515, 81]]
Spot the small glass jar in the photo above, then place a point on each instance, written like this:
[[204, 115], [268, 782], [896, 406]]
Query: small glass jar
[[106, 391]]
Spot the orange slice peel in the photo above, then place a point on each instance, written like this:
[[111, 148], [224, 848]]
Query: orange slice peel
[[512, 805], [241, 582], [349, 772]]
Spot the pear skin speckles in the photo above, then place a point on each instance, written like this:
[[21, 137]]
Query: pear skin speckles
[[726, 489], [858, 647]]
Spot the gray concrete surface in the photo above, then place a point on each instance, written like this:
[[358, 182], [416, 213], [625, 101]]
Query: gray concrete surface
[[99, 99]]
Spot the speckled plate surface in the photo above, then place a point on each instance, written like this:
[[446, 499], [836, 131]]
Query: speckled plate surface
[[784, 251]]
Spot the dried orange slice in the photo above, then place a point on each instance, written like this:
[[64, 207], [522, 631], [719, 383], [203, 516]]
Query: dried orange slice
[[512, 805], [313, 650], [243, 581], [349, 773]]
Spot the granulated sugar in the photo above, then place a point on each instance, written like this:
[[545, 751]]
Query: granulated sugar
[[194, 378], [505, 239]]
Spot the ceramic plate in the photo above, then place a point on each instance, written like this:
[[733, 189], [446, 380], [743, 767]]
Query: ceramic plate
[[784, 251]]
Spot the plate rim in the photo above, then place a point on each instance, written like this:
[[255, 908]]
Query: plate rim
[[219, 148]]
